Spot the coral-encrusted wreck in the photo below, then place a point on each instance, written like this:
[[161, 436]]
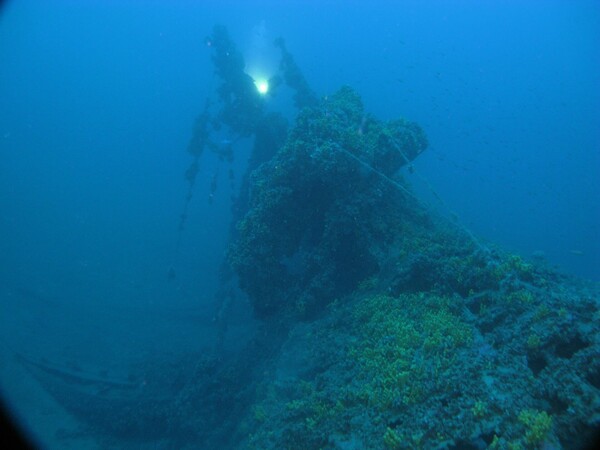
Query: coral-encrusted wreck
[[382, 325], [324, 211], [401, 329]]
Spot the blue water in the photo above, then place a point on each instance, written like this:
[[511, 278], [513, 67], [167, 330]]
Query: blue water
[[97, 104]]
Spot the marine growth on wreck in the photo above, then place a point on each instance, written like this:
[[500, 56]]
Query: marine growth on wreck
[[383, 323]]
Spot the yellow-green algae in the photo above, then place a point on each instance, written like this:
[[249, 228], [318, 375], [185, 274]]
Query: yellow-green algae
[[402, 341], [395, 348]]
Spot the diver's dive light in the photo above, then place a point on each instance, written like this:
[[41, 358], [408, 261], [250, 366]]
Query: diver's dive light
[[262, 86]]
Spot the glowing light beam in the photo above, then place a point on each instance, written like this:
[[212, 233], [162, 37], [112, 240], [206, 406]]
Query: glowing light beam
[[262, 86]]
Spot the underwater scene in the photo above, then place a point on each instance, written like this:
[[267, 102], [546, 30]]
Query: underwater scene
[[270, 225]]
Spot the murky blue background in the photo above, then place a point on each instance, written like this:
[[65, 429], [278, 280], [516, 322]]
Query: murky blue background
[[97, 104]]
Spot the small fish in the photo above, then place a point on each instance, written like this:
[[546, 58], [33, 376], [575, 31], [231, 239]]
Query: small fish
[[576, 252]]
